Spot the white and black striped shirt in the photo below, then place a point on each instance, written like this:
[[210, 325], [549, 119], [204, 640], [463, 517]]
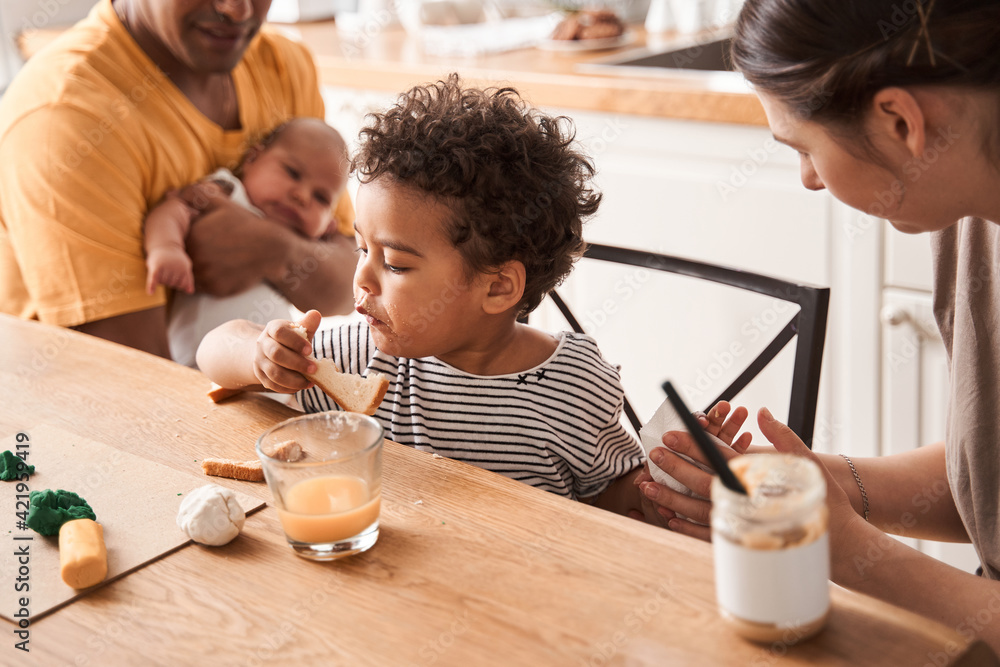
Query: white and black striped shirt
[[556, 426]]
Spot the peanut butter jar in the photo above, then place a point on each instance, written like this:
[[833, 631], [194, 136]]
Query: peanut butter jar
[[771, 548]]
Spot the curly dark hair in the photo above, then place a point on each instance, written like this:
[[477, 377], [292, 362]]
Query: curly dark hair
[[517, 187]]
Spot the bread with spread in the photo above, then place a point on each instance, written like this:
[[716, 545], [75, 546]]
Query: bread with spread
[[353, 393]]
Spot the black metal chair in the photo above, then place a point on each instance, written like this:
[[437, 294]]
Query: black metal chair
[[809, 323]]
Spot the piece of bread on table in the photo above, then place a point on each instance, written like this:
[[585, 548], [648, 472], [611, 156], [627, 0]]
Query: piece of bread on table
[[354, 393], [250, 471], [289, 450], [219, 393]]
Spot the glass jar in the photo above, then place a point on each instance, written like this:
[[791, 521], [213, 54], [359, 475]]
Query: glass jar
[[772, 553]]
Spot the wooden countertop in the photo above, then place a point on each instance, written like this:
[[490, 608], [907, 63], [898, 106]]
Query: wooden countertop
[[392, 61], [471, 568]]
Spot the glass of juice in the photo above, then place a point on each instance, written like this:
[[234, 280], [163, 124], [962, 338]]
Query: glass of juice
[[324, 471]]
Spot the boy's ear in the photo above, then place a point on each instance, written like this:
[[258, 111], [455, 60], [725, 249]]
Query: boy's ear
[[505, 288]]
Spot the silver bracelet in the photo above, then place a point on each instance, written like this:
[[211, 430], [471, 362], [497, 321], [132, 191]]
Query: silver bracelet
[[857, 478]]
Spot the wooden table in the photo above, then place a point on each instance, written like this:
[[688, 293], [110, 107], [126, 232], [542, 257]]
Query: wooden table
[[470, 569]]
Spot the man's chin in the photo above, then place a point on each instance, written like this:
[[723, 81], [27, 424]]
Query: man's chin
[[205, 60], [217, 65]]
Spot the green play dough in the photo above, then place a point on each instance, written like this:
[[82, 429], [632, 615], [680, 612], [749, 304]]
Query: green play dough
[[49, 510], [13, 466]]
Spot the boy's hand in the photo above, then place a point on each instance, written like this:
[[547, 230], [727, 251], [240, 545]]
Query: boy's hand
[[651, 512], [661, 505], [310, 322], [282, 355], [717, 424], [170, 267]]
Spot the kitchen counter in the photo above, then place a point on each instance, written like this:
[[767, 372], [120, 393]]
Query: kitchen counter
[[390, 60], [393, 61]]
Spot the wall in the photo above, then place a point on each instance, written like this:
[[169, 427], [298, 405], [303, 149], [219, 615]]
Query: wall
[[19, 16]]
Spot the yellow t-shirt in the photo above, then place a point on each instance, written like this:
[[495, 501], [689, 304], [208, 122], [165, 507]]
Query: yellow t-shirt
[[92, 135]]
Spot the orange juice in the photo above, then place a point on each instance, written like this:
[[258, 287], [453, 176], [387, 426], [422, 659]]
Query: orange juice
[[328, 509]]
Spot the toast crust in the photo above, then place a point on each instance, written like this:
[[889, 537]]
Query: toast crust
[[219, 393], [250, 471]]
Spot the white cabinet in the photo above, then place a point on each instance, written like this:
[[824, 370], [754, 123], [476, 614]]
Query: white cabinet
[[914, 373]]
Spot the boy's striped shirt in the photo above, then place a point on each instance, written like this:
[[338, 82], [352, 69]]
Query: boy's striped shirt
[[556, 426]]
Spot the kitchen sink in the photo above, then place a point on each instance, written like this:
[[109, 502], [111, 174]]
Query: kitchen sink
[[708, 61], [710, 57]]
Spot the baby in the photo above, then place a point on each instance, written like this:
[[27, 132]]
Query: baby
[[294, 176], [469, 212]]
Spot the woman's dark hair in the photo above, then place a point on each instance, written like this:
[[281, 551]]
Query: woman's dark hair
[[517, 187], [826, 59]]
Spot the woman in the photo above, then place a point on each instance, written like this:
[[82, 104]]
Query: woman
[[894, 107]]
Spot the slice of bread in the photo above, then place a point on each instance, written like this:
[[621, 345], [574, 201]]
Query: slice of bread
[[251, 471], [354, 393]]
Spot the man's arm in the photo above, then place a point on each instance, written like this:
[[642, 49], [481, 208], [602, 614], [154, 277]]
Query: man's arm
[[144, 330], [232, 250], [72, 203], [319, 275]]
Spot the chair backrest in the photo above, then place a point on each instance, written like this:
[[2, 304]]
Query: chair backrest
[[809, 323]]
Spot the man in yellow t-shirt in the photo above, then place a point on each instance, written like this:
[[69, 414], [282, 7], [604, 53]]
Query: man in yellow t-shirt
[[139, 98]]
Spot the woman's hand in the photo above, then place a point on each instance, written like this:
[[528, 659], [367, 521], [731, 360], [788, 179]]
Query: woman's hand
[[697, 510], [786, 442], [282, 356], [661, 504]]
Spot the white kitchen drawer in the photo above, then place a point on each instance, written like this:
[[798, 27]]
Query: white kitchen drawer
[[907, 260]]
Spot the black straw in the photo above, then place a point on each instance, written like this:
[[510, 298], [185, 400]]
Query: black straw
[[708, 448]]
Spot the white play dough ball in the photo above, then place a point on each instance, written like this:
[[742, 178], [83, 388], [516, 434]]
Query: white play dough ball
[[211, 515]]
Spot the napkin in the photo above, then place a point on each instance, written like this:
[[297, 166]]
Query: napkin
[[666, 419]]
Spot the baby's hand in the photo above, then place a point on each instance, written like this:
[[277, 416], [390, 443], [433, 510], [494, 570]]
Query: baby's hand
[[282, 355], [170, 267]]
